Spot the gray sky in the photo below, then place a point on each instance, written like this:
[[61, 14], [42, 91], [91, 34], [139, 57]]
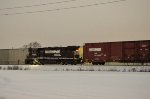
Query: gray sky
[[120, 21]]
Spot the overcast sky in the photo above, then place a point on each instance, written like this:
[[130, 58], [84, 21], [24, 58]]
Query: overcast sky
[[119, 21]]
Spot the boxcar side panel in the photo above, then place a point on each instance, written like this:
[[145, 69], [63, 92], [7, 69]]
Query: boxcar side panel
[[116, 52], [143, 49], [96, 52], [129, 51]]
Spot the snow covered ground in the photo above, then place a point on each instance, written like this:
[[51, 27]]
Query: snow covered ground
[[35, 84]]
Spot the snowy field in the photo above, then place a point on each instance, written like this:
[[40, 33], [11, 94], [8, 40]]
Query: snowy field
[[35, 84]]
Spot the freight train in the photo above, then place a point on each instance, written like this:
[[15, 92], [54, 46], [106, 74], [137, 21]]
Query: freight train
[[95, 53]]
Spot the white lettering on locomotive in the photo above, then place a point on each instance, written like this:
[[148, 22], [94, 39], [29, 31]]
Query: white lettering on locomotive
[[57, 55], [51, 51]]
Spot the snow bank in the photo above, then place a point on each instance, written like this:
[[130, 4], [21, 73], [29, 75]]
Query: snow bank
[[76, 68]]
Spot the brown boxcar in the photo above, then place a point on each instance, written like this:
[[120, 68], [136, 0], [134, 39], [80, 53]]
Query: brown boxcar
[[124, 51], [136, 51]]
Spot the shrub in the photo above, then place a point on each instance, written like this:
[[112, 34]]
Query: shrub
[[4, 68], [20, 68], [9, 68], [15, 67], [26, 68]]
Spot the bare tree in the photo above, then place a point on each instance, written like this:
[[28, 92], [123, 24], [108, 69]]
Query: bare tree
[[32, 45]]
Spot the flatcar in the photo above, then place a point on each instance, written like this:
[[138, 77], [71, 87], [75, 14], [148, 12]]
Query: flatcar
[[54, 55]]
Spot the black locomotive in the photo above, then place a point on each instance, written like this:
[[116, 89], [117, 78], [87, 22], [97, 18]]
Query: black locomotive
[[54, 55]]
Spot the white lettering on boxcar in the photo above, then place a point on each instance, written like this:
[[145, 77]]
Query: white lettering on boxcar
[[94, 49]]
